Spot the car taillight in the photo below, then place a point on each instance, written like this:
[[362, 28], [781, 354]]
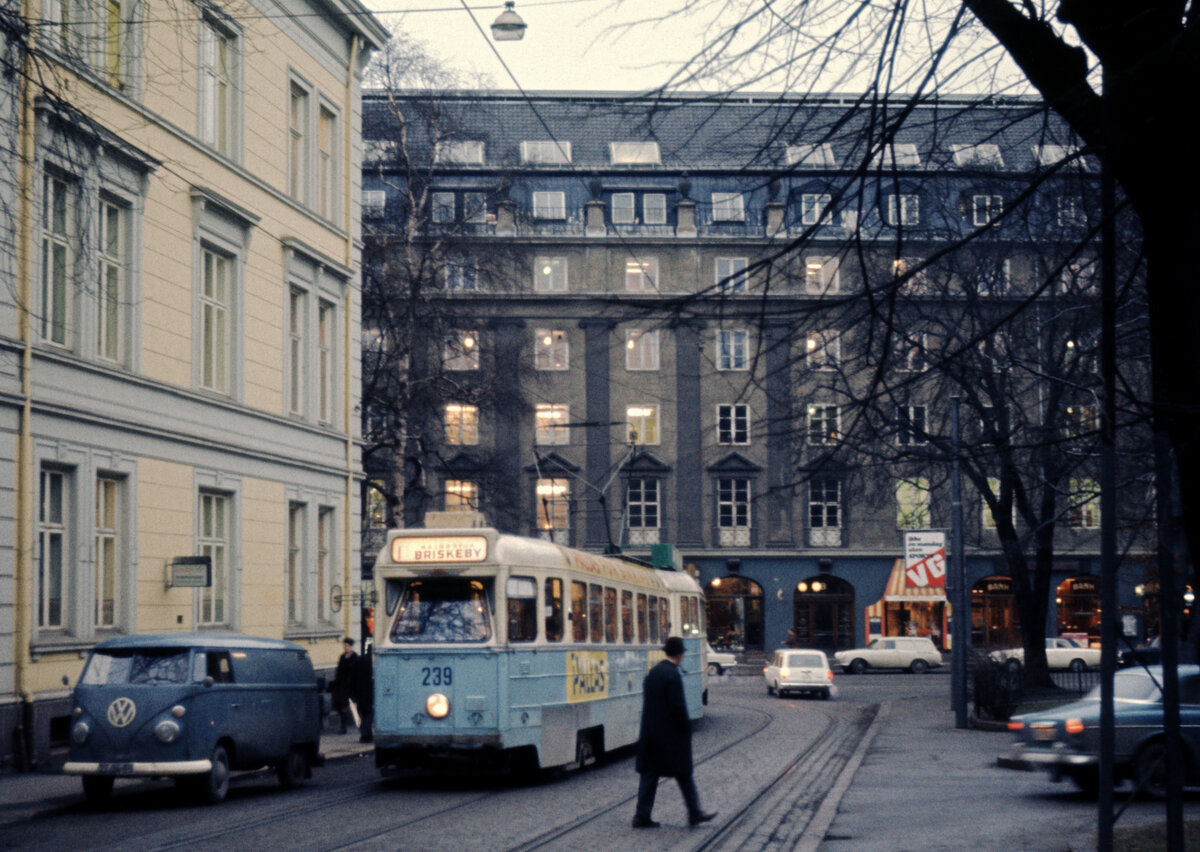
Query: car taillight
[[1074, 726], [1016, 726], [829, 675]]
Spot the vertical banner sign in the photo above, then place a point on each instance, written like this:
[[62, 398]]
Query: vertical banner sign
[[925, 559]]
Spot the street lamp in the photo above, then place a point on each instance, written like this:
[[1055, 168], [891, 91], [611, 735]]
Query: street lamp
[[508, 25]]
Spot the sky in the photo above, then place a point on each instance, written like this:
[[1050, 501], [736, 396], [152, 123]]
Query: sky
[[570, 45]]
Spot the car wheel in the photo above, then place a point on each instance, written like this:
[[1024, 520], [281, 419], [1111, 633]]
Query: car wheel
[[97, 788], [1078, 666], [1087, 780], [1012, 664], [714, 668], [778, 691], [293, 769], [215, 783], [770, 689], [825, 695], [858, 666], [1152, 770], [918, 667]]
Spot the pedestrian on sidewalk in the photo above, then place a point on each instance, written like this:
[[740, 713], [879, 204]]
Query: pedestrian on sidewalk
[[364, 696], [343, 682], [665, 741]]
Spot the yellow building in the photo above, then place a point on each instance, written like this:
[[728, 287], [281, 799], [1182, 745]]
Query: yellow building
[[179, 329]]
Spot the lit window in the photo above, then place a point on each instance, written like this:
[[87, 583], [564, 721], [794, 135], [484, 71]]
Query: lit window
[[823, 424], [458, 151], [731, 274], [549, 205], [550, 424], [641, 350], [553, 507], [550, 349], [461, 424], [462, 495], [461, 351], [903, 209], [823, 350], [546, 152], [733, 424], [633, 153], [733, 349], [643, 423], [821, 275], [641, 276], [728, 207], [811, 156], [1084, 506], [912, 504], [550, 274]]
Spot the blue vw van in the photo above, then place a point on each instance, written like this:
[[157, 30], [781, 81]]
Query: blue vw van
[[193, 707]]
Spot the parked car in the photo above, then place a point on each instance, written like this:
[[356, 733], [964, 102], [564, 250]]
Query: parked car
[[805, 671], [1061, 653], [917, 654], [1149, 654], [718, 661], [1065, 741], [193, 707]]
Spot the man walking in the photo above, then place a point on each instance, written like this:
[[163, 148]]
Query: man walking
[[665, 741]]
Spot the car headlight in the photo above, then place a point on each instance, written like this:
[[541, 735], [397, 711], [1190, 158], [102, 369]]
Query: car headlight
[[80, 732], [167, 731], [437, 706]]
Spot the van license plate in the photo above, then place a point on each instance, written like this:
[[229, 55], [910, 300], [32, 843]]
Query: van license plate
[[116, 768]]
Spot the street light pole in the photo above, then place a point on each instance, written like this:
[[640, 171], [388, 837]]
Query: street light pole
[[960, 637]]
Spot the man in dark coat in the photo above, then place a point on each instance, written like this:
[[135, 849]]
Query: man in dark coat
[[343, 682], [364, 696], [665, 741]]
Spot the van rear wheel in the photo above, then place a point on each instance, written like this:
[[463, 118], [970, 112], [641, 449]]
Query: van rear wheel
[[293, 769], [97, 788]]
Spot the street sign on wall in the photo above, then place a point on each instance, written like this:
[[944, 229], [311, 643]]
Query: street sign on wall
[[925, 559]]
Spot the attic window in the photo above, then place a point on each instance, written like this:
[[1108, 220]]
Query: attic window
[[811, 156], [901, 155], [1055, 155], [634, 153], [460, 151], [374, 202], [547, 152], [978, 156], [376, 151]]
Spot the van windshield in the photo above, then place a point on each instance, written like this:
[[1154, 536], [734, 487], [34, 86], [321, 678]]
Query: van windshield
[[168, 665], [442, 610]]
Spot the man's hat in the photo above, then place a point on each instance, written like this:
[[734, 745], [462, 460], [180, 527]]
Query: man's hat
[[674, 647]]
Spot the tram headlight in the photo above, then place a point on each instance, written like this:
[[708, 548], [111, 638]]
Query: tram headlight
[[437, 706]]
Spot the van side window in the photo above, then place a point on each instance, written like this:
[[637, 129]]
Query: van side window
[[218, 667]]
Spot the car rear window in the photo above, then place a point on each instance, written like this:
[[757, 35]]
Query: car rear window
[[806, 661]]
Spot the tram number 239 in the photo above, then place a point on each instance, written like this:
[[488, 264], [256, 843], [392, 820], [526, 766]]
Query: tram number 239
[[437, 676]]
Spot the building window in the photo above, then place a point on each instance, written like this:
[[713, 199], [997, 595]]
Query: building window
[[550, 274], [642, 509], [912, 504], [984, 156], [986, 514], [903, 209], [733, 423], [733, 349], [641, 350], [1084, 509], [461, 351], [898, 155], [814, 208], [550, 349], [911, 274], [467, 152], [623, 208], [642, 422], [654, 208], [58, 232], [731, 274], [546, 152], [1083, 421], [633, 153], [986, 208], [460, 276], [326, 375], [462, 495], [910, 352], [733, 512], [299, 118], [295, 564], [1079, 276], [623, 212], [113, 286], [911, 426], [550, 424], [212, 540], [326, 559], [215, 308], [823, 349], [553, 508], [811, 156], [641, 276], [328, 189], [1070, 212], [218, 87], [821, 275], [108, 552], [823, 424], [297, 323], [824, 512], [442, 207], [54, 515], [462, 424], [728, 207], [549, 205]]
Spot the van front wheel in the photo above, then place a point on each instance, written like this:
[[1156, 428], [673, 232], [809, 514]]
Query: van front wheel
[[293, 769], [215, 784]]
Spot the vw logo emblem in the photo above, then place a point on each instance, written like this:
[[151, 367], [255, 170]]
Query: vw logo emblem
[[121, 712]]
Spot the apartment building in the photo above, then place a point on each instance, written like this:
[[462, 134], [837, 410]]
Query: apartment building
[[179, 332]]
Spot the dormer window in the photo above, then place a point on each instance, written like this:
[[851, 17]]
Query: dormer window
[[811, 156], [900, 155], [546, 152], [1049, 156], [462, 152], [634, 153], [977, 156]]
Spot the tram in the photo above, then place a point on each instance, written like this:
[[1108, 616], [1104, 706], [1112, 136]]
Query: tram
[[517, 654]]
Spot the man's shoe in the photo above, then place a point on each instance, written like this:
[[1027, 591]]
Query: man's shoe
[[646, 822], [696, 819]]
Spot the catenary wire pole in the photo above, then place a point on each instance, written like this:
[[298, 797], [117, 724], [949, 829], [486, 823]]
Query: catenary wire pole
[[959, 636]]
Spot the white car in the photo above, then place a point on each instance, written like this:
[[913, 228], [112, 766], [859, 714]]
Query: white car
[[916, 654], [804, 671], [1061, 653], [718, 661]]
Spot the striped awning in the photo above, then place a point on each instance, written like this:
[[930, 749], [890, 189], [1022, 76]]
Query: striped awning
[[898, 590]]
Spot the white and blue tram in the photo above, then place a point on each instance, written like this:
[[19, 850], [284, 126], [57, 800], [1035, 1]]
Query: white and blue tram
[[518, 653]]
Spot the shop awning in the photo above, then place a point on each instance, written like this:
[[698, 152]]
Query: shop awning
[[898, 590]]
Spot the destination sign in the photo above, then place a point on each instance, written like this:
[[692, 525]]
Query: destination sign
[[440, 549]]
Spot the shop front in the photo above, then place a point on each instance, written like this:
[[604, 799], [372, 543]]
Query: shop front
[[906, 610], [823, 613], [994, 621], [734, 606]]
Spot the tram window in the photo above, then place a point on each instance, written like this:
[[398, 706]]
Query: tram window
[[554, 610], [641, 618], [596, 611], [664, 615], [443, 610], [627, 617], [610, 615], [691, 616], [654, 620], [392, 596], [579, 631], [522, 609]]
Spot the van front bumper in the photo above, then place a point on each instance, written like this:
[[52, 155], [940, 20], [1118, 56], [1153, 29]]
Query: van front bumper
[[137, 768]]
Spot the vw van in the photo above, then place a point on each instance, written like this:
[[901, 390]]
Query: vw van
[[193, 707]]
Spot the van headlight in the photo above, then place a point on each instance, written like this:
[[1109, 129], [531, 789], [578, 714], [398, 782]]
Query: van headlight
[[167, 731], [437, 706], [80, 732]]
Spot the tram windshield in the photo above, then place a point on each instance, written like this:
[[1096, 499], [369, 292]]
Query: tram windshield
[[442, 610]]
